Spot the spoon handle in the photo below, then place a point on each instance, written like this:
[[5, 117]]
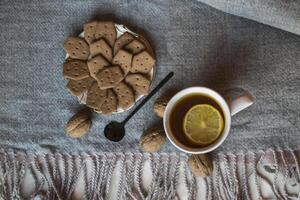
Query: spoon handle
[[144, 101]]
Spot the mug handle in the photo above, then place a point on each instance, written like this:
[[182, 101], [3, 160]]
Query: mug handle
[[240, 103]]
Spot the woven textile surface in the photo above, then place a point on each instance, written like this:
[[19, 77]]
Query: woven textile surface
[[202, 45]]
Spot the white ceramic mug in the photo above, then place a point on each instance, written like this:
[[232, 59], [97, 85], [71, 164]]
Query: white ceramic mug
[[229, 109]]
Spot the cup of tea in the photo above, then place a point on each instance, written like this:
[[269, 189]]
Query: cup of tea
[[197, 120]]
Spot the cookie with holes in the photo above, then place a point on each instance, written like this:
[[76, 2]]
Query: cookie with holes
[[96, 64], [101, 47], [125, 95], [106, 30], [110, 103], [142, 63], [109, 77], [122, 41], [77, 48], [75, 70], [90, 31], [139, 83], [135, 46], [95, 96], [124, 59], [80, 86]]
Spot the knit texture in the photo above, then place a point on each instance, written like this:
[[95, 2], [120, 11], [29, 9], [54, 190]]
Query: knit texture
[[203, 46]]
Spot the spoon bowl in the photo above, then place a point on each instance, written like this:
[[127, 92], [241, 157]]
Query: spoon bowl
[[114, 131]]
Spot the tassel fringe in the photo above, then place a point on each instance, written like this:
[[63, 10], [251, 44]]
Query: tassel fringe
[[121, 176]]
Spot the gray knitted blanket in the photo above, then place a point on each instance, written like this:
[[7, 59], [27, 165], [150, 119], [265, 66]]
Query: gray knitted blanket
[[201, 44]]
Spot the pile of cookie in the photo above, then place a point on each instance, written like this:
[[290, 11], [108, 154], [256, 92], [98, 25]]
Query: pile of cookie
[[112, 71]]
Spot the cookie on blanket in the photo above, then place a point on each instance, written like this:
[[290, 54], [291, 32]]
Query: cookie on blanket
[[110, 103], [125, 95], [80, 86], [96, 64], [89, 31], [124, 59], [95, 96], [123, 40], [106, 30], [101, 47], [109, 77], [135, 46], [139, 83], [142, 63], [77, 48], [75, 70]]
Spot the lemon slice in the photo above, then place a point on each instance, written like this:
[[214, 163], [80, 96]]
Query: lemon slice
[[203, 124]]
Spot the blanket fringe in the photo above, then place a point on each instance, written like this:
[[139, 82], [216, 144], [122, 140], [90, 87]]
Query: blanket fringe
[[235, 176]]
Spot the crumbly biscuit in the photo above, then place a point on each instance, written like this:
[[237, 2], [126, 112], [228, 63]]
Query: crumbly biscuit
[[142, 63], [110, 103], [75, 70], [89, 31], [135, 47], [77, 48], [101, 47], [95, 96], [123, 40], [124, 59], [139, 83], [109, 77], [106, 30], [80, 86], [96, 64], [125, 95]]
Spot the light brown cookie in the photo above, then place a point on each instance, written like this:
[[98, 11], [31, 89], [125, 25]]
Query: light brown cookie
[[139, 83], [110, 103], [95, 96], [125, 95], [89, 31], [75, 70], [123, 40], [80, 86], [135, 47], [109, 77], [101, 47], [142, 63], [108, 31], [123, 58], [77, 48], [96, 64]]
